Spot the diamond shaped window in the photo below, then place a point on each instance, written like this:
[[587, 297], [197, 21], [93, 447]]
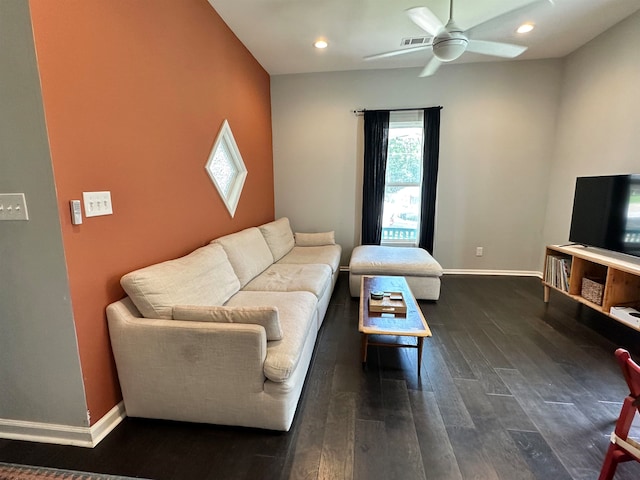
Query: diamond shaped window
[[226, 168]]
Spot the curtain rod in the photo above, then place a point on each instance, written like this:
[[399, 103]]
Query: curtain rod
[[361, 112]]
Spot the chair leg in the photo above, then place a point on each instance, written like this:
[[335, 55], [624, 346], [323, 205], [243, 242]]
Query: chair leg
[[615, 453], [610, 464]]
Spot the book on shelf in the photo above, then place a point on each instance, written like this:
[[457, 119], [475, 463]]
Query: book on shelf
[[558, 272]]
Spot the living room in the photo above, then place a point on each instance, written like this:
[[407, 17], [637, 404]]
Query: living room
[[129, 97]]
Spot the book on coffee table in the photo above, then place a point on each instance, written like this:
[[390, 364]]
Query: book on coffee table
[[391, 302]]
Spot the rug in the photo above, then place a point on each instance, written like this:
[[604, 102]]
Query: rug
[[9, 471]]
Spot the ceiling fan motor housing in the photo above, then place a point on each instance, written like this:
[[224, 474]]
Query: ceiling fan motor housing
[[450, 43]]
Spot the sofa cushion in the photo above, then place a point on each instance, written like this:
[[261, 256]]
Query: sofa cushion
[[279, 277], [297, 313], [248, 253], [315, 239], [279, 237], [203, 277], [326, 254], [266, 317]]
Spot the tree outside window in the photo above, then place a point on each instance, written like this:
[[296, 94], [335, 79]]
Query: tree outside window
[[403, 180]]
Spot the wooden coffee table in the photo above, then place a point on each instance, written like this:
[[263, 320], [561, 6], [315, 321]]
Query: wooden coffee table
[[394, 328]]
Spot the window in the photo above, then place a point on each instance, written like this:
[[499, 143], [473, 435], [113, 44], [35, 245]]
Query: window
[[403, 179], [226, 168]]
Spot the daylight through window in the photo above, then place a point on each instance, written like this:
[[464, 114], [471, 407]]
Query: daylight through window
[[403, 180]]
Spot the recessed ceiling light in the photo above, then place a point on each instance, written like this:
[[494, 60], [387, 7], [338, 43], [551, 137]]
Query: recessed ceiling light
[[320, 44], [525, 28]]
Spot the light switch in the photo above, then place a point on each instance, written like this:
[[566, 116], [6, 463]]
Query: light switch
[[13, 206], [97, 203]]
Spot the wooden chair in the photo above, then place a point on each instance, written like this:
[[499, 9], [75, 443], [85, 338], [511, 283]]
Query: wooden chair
[[622, 448]]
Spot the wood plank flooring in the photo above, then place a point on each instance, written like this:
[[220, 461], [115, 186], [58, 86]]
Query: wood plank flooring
[[510, 389]]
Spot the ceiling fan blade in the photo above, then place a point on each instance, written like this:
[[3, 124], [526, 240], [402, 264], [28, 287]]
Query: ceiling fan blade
[[496, 49], [393, 53], [426, 20], [431, 67]]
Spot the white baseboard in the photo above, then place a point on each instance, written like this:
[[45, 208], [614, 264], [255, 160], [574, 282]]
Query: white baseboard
[[63, 434], [111, 420], [511, 273], [452, 271]]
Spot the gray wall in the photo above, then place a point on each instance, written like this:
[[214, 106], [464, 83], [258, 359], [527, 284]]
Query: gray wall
[[497, 139], [40, 375], [599, 119]]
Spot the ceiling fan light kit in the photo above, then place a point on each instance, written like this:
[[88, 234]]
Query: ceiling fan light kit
[[450, 43], [449, 49]]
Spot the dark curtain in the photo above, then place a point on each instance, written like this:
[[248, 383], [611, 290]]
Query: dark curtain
[[430, 176], [376, 140]]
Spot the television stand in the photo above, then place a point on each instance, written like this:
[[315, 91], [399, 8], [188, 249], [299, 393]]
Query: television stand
[[597, 278]]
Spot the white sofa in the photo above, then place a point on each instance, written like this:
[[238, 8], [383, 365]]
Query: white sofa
[[225, 334]]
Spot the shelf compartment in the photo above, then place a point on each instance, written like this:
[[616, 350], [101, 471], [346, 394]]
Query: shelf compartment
[[585, 269], [557, 272], [622, 289]]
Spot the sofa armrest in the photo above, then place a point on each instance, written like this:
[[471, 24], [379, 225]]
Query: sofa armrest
[[183, 370]]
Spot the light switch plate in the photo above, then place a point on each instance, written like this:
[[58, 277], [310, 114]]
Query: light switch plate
[[13, 206], [97, 203]]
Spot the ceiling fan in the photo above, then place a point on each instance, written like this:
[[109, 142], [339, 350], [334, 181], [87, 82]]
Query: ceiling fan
[[449, 41]]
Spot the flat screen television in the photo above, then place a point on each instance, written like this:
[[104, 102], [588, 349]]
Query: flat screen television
[[606, 213]]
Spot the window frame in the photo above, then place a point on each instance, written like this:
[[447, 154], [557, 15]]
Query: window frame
[[403, 119], [226, 142]]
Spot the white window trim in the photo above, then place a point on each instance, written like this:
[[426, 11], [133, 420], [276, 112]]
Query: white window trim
[[226, 140], [406, 119]]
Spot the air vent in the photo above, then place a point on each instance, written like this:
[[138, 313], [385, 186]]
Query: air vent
[[414, 41]]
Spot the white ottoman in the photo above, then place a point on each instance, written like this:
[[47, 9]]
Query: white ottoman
[[420, 269]]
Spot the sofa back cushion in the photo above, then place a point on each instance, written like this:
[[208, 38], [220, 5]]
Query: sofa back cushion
[[266, 317], [279, 237], [248, 253], [203, 277], [315, 239]]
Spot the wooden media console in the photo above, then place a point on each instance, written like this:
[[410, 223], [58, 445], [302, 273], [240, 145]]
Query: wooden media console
[[596, 278]]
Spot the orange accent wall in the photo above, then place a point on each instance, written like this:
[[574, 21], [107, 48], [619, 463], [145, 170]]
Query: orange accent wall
[[134, 94]]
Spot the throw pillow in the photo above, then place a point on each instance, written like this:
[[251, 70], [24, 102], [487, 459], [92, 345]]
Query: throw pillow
[[266, 317], [315, 239]]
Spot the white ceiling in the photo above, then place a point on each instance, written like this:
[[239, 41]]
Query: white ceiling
[[280, 33]]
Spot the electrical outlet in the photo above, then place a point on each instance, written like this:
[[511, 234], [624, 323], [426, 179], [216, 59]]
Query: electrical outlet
[[97, 203], [13, 206], [479, 251]]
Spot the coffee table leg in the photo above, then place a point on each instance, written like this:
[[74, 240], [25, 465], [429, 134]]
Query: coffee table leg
[[363, 349], [420, 340]]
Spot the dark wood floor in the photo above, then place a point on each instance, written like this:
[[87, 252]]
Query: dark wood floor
[[510, 389]]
